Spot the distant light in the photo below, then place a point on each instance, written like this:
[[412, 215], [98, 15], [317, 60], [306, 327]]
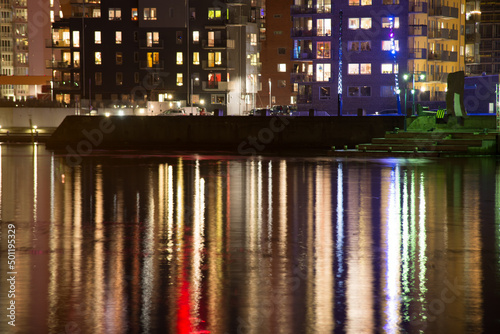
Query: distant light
[[141, 111], [170, 96], [422, 76], [121, 112], [35, 127], [413, 91], [202, 101], [405, 76], [107, 114], [422, 89], [398, 91]]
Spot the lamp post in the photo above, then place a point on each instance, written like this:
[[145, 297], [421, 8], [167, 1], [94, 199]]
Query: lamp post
[[270, 93], [406, 77], [192, 85]]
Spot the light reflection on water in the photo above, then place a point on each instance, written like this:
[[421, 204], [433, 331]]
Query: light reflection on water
[[199, 244]]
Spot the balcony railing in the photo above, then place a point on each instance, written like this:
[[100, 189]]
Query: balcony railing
[[54, 64], [417, 30], [146, 65], [301, 77], [57, 44], [417, 54], [221, 86], [299, 32], [418, 7], [443, 34], [66, 85], [304, 99], [444, 12], [143, 44], [206, 44], [444, 56], [303, 55], [220, 66], [304, 9]]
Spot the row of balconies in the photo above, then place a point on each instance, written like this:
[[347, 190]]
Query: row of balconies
[[443, 56], [233, 20], [442, 33], [305, 9]]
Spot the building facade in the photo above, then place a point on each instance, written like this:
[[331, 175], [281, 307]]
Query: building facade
[[24, 26], [387, 47], [276, 85], [129, 53]]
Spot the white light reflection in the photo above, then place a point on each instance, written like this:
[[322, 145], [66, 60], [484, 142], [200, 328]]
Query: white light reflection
[[270, 206], [170, 217], [99, 256], [324, 281], [422, 248], [147, 272], [405, 250], [393, 241], [340, 220], [198, 245], [35, 193]]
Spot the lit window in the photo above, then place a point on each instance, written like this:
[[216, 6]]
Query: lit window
[[386, 68], [76, 59], [196, 37], [366, 23], [366, 2], [97, 58], [323, 72], [386, 22], [179, 79], [353, 69], [387, 45], [211, 59], [118, 37], [211, 39], [96, 13], [390, 2], [134, 14], [218, 99], [324, 27], [323, 50], [115, 14], [178, 58], [353, 2], [97, 37], [354, 23], [153, 58], [119, 58], [281, 67], [366, 68], [76, 38], [150, 14], [253, 39], [196, 58], [214, 13], [218, 58], [156, 37]]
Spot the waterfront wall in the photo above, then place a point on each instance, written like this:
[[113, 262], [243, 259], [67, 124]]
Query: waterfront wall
[[41, 117], [244, 134]]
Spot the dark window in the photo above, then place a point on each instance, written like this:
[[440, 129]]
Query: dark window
[[281, 51]]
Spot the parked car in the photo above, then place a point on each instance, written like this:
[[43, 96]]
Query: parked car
[[259, 112], [172, 112]]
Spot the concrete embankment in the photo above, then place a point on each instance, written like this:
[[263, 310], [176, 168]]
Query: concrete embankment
[[243, 134]]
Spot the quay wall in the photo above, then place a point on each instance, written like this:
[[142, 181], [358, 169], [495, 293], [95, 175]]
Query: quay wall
[[243, 134]]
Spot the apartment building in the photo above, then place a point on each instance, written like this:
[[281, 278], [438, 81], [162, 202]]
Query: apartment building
[[488, 13], [387, 47], [130, 52], [276, 87], [24, 25]]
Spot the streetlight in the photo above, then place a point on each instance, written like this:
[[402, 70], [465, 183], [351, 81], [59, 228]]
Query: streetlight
[[406, 77], [270, 94]]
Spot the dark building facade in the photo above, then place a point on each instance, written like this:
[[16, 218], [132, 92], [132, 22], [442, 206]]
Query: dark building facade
[[133, 52]]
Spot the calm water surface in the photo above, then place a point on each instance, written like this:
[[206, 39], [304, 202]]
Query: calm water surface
[[213, 244]]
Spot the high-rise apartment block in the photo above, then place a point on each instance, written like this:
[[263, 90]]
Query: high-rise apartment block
[[387, 47], [183, 53], [24, 26]]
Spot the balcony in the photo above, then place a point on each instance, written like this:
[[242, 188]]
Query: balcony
[[215, 67], [215, 86], [146, 65], [301, 77], [417, 30], [54, 64], [472, 38], [66, 85], [417, 53], [302, 9], [215, 44], [300, 32], [417, 7], [304, 99], [57, 44], [144, 44], [238, 20], [444, 12], [443, 56], [442, 34], [303, 56]]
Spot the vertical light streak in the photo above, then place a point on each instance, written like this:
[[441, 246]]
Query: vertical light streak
[[52, 186], [1, 218], [35, 194], [147, 272], [323, 301], [270, 206], [340, 220], [170, 216], [77, 235], [422, 248], [405, 250], [310, 316], [99, 256], [198, 239], [393, 241], [497, 220], [259, 202], [282, 293]]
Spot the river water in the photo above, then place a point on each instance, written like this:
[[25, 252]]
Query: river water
[[143, 243]]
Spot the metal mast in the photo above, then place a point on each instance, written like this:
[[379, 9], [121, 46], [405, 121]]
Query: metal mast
[[339, 89]]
